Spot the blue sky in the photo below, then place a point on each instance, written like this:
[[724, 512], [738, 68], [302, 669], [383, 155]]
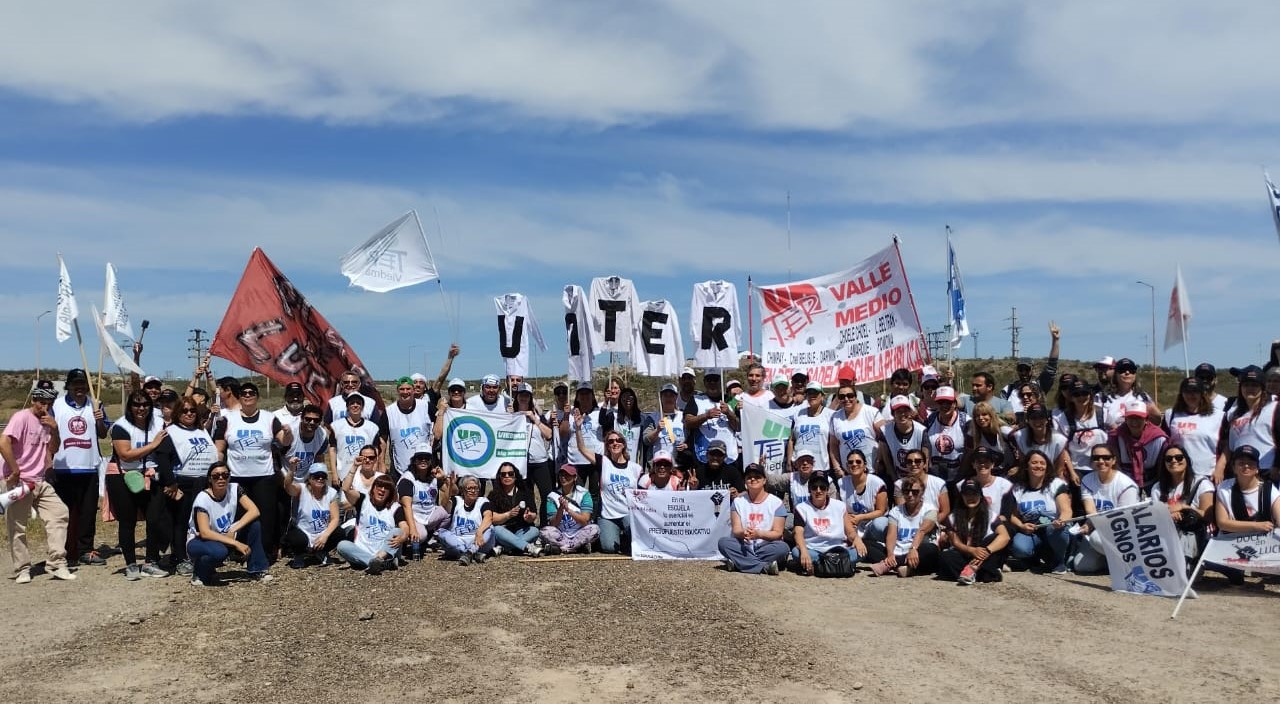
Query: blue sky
[[1073, 149]]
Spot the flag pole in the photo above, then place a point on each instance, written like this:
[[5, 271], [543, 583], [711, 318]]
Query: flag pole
[[1187, 589], [950, 313], [751, 325], [444, 299], [1186, 361]]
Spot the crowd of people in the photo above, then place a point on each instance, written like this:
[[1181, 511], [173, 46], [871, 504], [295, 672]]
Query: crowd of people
[[923, 480]]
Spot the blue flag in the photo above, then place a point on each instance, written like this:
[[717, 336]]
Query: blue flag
[[955, 295]]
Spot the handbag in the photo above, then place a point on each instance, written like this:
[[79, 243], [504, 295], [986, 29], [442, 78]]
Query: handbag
[[834, 563]]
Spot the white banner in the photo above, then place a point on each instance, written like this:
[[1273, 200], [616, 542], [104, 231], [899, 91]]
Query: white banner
[[678, 525], [764, 437], [395, 257], [1144, 553], [713, 320], [114, 314], [118, 355], [515, 323], [67, 310], [1255, 552], [861, 320], [477, 442]]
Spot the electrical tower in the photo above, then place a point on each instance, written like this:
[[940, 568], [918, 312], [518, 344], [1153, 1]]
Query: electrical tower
[[975, 343], [1014, 331], [196, 349]]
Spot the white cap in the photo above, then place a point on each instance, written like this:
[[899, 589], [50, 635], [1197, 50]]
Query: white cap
[[687, 371], [945, 393], [458, 383], [1107, 361], [417, 376], [1136, 408], [900, 402]]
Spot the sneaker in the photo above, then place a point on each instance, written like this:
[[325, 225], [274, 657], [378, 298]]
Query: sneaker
[[968, 575], [24, 577], [480, 557], [771, 569], [92, 558], [465, 560], [904, 571], [185, 569], [195, 582], [497, 550], [551, 549], [728, 566], [324, 560], [1060, 569], [376, 566], [433, 545], [880, 569], [62, 573], [153, 570], [132, 573], [297, 563], [533, 550], [262, 577]]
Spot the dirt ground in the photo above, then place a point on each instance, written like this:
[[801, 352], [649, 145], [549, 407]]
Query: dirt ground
[[616, 631]]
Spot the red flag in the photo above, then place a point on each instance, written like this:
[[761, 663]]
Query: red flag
[[270, 328]]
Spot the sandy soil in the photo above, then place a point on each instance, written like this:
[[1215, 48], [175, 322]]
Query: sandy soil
[[548, 631]]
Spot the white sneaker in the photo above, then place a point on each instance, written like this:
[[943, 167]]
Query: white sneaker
[[533, 550], [132, 573], [22, 578], [61, 573]]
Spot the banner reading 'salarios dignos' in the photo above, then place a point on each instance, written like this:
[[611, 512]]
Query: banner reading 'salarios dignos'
[[861, 320]]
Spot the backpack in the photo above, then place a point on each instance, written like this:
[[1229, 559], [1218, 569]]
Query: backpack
[[1240, 512]]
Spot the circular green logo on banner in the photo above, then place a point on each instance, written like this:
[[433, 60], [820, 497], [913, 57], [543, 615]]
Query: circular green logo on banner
[[471, 442]]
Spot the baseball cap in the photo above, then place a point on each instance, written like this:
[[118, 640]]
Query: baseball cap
[[711, 374], [1136, 409], [900, 402], [419, 455], [753, 469], [780, 380], [560, 385], [718, 446], [1206, 372], [490, 380], [687, 371], [524, 388], [1192, 385], [801, 454], [151, 380], [77, 375], [669, 388], [404, 380], [44, 391], [928, 374], [353, 398], [293, 388], [1251, 374], [456, 383], [945, 393], [167, 396], [987, 453], [569, 469], [249, 386], [585, 384], [1124, 363], [418, 376], [1080, 388], [1037, 410], [662, 456], [318, 470], [732, 383], [1107, 361], [970, 486], [813, 386], [1024, 362], [1246, 451]]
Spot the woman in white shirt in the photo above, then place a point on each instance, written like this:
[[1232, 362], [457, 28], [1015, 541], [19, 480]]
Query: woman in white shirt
[[978, 540], [757, 524], [1188, 496], [618, 475], [314, 532], [909, 538], [214, 531], [1038, 524], [1103, 489], [865, 496], [135, 438], [821, 525], [1195, 425], [380, 526], [469, 535]]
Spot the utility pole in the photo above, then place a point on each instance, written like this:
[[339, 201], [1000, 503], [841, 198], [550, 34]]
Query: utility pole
[[974, 334], [196, 349], [1014, 332]]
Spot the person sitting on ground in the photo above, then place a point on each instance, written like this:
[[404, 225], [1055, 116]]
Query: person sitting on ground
[[380, 526], [661, 474], [717, 473], [822, 525], [1102, 489], [214, 529], [515, 515], [569, 527], [935, 489], [1038, 525], [865, 496], [25, 458], [314, 532], [801, 470], [366, 470], [618, 475], [909, 546], [469, 536], [423, 494], [1246, 504], [977, 539], [1139, 442], [757, 524], [1188, 495], [996, 490]]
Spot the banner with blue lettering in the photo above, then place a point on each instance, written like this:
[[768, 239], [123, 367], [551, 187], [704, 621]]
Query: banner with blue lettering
[[764, 438], [476, 443], [1144, 554], [678, 525]]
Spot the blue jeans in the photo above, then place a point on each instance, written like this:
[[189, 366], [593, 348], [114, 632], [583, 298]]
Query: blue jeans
[[207, 555], [1049, 544], [455, 545], [875, 531], [752, 560], [517, 540], [359, 557], [814, 555], [612, 532]]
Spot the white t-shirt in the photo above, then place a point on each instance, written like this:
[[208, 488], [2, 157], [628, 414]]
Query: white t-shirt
[[348, 440], [409, 432], [994, 493], [249, 445], [812, 433], [221, 513], [760, 400], [1113, 407], [713, 429], [673, 427], [613, 290], [1199, 488], [1121, 491], [1256, 431], [1250, 499], [338, 407], [374, 525], [311, 515], [591, 437], [579, 501], [934, 488], [465, 523], [759, 516], [1198, 435], [308, 452], [721, 295], [856, 433], [424, 496], [898, 447], [946, 446], [1039, 502], [823, 528], [1088, 435], [656, 347], [616, 484], [1052, 449], [477, 403], [908, 526]]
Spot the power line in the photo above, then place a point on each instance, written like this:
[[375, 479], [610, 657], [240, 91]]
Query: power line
[[196, 350]]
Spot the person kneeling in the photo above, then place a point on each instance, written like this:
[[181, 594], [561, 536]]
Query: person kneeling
[[758, 522], [823, 525], [213, 531], [314, 532], [469, 536], [381, 529], [977, 542], [569, 527]]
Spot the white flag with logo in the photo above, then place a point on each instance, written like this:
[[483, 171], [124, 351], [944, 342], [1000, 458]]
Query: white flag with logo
[[1255, 552], [1179, 313], [764, 437], [476, 443], [515, 325], [114, 314], [1144, 553], [67, 310], [118, 355], [395, 257]]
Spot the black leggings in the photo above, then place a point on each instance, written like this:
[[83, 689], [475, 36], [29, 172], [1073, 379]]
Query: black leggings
[[126, 506], [262, 492], [180, 514], [297, 542], [79, 492], [953, 561], [542, 478]]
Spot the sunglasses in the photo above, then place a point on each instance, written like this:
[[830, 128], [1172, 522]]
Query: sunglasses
[[220, 475], [1027, 394], [910, 492], [248, 394], [1126, 370], [1102, 458], [846, 397], [185, 411], [139, 405], [822, 489], [916, 460], [310, 420], [506, 474], [364, 458], [615, 441], [1175, 458], [318, 477]]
